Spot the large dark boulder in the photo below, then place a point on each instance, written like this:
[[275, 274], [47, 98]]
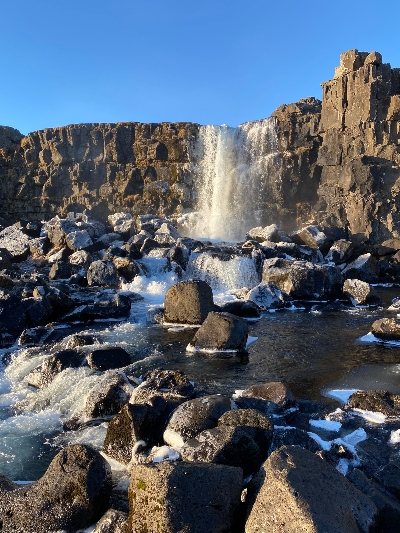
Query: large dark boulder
[[194, 416], [387, 329], [72, 495], [16, 242], [188, 302], [359, 292], [108, 396], [103, 274], [107, 358], [177, 497], [376, 400], [297, 491], [221, 332]]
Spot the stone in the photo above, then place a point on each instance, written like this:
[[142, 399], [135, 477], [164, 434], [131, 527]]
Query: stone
[[297, 491], [312, 236], [81, 340], [104, 305], [108, 396], [15, 242], [247, 309], [360, 292], [340, 251], [195, 416], [228, 445], [13, 319], [260, 234], [108, 358], [53, 365], [375, 400], [221, 332], [126, 268], [175, 497], [81, 258], [267, 295], [293, 436], [389, 508], [112, 521], [188, 302], [102, 273], [273, 391], [60, 270], [387, 329], [58, 229], [78, 240], [5, 259], [72, 495], [389, 476], [363, 268]]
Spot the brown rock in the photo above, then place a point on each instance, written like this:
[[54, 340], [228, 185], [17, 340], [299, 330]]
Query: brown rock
[[188, 302]]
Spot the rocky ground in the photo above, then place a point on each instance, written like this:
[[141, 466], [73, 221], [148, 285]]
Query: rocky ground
[[260, 461]]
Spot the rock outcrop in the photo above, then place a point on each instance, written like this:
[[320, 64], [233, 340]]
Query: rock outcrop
[[337, 161]]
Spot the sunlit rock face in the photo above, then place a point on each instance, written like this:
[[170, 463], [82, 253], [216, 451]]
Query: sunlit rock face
[[334, 162]]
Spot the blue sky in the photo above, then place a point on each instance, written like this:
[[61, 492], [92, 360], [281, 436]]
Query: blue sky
[[211, 62]]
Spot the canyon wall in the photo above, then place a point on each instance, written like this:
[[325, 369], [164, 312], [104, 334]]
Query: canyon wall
[[339, 161]]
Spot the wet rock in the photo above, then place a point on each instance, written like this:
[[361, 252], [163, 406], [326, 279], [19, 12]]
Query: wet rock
[[389, 476], [188, 302], [112, 522], [52, 366], [257, 425], [58, 229], [33, 336], [363, 268], [78, 240], [221, 331], [105, 305], [80, 258], [246, 309], [103, 273], [228, 445], [108, 397], [73, 494], [12, 316], [15, 242], [194, 416], [122, 223], [376, 400], [126, 268], [179, 255], [81, 340], [301, 279], [359, 292], [389, 508], [135, 424], [292, 436], [172, 384], [108, 358], [386, 329], [174, 497], [266, 295], [39, 247], [273, 391], [295, 490]]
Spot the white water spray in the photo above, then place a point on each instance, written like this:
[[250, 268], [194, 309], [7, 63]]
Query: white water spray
[[237, 170]]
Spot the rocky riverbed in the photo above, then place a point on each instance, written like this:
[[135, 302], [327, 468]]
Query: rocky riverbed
[[142, 447]]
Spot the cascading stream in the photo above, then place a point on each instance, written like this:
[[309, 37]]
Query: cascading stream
[[237, 171]]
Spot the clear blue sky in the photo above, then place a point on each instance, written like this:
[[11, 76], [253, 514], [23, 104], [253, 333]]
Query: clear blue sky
[[208, 61]]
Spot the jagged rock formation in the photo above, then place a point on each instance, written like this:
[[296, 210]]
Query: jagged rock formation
[[360, 152], [103, 167], [340, 161]]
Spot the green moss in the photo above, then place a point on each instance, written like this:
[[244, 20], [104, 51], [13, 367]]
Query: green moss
[[141, 484]]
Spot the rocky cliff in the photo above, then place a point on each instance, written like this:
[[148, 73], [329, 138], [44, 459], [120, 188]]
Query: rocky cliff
[[340, 160]]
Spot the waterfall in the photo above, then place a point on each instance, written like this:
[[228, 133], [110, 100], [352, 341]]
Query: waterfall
[[237, 168]]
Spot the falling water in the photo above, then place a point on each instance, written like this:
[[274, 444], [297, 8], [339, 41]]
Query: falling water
[[237, 170]]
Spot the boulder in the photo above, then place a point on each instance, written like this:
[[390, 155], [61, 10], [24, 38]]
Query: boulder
[[60, 270], [16, 242], [105, 305], [112, 522], [122, 223], [174, 386], [375, 400], [387, 329], [340, 251], [53, 365], [103, 273], [311, 236], [260, 234], [273, 391], [303, 280], [108, 358], [363, 268], [195, 416], [257, 425], [5, 259], [188, 302], [389, 476], [80, 258], [58, 229], [108, 396], [359, 292], [297, 491], [81, 340], [78, 240], [72, 495], [228, 445], [221, 332], [177, 497], [12, 317], [267, 295], [247, 309], [388, 507], [126, 268]]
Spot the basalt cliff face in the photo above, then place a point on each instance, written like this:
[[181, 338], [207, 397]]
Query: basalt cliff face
[[339, 161]]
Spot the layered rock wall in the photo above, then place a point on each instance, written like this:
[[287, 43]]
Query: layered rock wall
[[340, 161]]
